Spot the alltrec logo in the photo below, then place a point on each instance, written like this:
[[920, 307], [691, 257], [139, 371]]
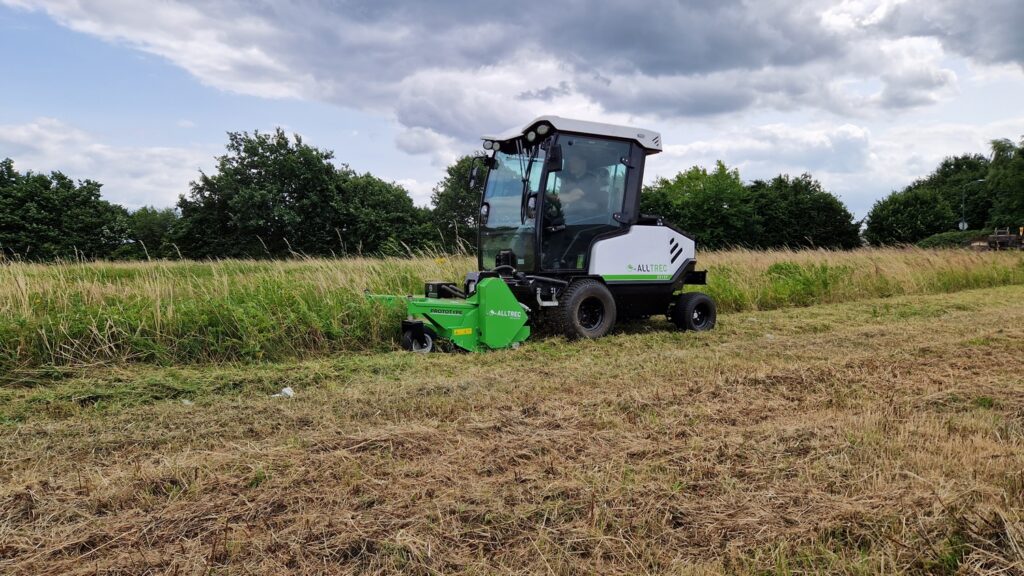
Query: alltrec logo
[[505, 314], [649, 268]]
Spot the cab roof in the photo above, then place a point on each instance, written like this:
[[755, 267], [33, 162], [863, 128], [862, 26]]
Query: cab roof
[[648, 139]]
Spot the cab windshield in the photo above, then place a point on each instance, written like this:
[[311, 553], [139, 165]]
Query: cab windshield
[[509, 224]]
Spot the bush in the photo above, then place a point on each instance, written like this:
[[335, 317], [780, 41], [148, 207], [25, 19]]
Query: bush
[[954, 239]]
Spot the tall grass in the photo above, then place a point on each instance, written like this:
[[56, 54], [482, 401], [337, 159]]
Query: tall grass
[[180, 312], [761, 280]]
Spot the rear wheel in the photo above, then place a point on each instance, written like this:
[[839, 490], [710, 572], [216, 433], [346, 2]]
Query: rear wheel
[[586, 310], [694, 311]]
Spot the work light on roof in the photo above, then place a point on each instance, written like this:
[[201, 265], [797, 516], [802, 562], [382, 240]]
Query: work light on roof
[[543, 129]]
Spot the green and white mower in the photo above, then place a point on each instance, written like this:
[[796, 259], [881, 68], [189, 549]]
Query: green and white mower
[[562, 243]]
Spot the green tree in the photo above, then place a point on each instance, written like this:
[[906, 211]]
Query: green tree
[[798, 212], [378, 215], [269, 196], [956, 179], [456, 205], [51, 216], [273, 195], [150, 231], [713, 206], [969, 186], [908, 216], [1005, 180]]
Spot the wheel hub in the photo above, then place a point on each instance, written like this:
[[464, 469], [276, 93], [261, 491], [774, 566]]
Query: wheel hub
[[699, 316], [426, 346], [591, 313]]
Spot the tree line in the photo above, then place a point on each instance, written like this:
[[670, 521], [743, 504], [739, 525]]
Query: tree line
[[269, 196], [721, 211], [984, 192], [272, 195]]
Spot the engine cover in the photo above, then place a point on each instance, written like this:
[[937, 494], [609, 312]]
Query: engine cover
[[642, 254]]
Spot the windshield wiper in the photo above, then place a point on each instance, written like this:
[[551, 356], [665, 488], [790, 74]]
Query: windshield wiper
[[526, 182]]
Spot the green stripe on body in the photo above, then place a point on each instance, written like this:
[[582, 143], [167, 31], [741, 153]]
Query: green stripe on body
[[637, 276]]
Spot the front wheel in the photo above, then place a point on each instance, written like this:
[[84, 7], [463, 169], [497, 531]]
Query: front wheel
[[587, 310], [694, 311]]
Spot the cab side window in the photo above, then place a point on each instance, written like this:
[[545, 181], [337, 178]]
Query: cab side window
[[581, 199]]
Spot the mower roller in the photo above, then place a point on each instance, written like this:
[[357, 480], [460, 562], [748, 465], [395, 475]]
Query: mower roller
[[561, 242]]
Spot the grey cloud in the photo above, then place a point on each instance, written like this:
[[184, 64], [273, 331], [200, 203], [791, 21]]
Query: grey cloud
[[547, 93], [661, 37], [725, 92], [672, 96], [990, 32], [688, 37], [915, 88], [446, 106]]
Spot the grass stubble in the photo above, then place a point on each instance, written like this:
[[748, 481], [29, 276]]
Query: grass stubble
[[867, 437]]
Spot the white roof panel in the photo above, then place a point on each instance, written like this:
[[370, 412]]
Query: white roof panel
[[649, 139]]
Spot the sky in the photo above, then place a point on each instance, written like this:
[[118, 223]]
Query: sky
[[865, 95]]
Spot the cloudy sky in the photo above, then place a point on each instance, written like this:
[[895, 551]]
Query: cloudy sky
[[866, 95]]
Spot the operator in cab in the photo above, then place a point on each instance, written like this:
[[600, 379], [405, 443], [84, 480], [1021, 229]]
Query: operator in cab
[[583, 191]]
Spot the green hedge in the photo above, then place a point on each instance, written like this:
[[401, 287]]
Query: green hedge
[[955, 239]]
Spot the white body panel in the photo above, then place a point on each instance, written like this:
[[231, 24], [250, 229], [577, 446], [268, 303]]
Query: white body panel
[[644, 254]]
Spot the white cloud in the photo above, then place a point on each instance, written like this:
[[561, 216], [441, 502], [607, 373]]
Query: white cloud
[[220, 44], [418, 190], [132, 177], [777, 146], [443, 150]]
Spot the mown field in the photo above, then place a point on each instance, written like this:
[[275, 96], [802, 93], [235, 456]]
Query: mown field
[[853, 413]]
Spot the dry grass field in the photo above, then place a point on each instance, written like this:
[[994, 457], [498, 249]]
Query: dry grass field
[[871, 436]]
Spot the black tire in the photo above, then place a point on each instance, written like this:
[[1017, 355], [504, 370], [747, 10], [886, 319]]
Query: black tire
[[694, 311], [412, 345], [586, 310]]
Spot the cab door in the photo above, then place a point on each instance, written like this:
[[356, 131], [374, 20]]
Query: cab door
[[581, 199]]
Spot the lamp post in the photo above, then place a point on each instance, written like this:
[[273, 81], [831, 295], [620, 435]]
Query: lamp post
[[963, 209]]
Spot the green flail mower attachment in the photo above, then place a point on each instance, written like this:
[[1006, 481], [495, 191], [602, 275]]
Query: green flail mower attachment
[[488, 319]]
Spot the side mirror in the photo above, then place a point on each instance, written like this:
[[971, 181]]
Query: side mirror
[[485, 211], [555, 158], [472, 176], [531, 207]]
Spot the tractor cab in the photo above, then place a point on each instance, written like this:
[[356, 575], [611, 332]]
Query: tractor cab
[[557, 185]]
